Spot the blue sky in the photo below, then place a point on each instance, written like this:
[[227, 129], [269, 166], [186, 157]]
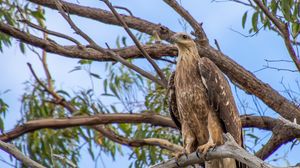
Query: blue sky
[[218, 20]]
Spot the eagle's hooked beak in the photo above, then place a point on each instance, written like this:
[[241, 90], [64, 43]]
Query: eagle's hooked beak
[[173, 39]]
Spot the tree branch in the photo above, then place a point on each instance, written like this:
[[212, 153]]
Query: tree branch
[[162, 143], [12, 150], [289, 123], [229, 150], [189, 18], [52, 123], [50, 32], [108, 18], [284, 133]]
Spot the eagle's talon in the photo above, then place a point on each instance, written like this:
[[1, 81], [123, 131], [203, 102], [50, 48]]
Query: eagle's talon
[[198, 154], [204, 148], [179, 154], [177, 164]]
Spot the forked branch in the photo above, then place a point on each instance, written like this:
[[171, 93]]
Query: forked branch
[[229, 150]]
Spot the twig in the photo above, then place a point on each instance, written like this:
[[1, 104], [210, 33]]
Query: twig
[[65, 160], [12, 150], [229, 150], [58, 98], [123, 8], [217, 44], [189, 18], [51, 32], [137, 43]]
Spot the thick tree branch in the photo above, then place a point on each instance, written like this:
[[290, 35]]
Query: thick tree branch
[[12, 150], [155, 50], [283, 133], [108, 18], [33, 125], [229, 150]]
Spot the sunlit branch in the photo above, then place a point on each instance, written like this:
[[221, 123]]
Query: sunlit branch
[[229, 150]]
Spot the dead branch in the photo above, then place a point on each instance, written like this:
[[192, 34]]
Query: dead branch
[[12, 150], [289, 123], [229, 150]]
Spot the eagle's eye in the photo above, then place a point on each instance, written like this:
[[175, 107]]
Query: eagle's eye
[[185, 37]]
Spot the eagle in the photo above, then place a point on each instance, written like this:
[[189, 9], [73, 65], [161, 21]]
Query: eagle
[[201, 103]]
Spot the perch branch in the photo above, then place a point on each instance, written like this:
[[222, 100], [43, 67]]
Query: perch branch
[[229, 150]]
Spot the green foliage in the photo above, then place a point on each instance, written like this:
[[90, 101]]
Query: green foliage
[[287, 11], [3, 110], [13, 10]]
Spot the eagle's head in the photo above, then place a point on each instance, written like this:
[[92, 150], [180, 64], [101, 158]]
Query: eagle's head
[[183, 40]]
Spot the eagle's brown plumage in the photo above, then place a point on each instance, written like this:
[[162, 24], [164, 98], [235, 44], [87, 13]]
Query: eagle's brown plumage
[[201, 102]]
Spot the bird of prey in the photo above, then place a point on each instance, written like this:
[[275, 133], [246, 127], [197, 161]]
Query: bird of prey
[[201, 103]]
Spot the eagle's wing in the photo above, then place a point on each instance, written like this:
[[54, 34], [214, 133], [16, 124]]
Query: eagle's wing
[[172, 101], [221, 98]]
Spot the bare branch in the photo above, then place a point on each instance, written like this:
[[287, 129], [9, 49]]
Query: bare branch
[[109, 18], [189, 18], [162, 143], [51, 32], [53, 123], [137, 43], [12, 150], [229, 150], [289, 123], [125, 9]]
